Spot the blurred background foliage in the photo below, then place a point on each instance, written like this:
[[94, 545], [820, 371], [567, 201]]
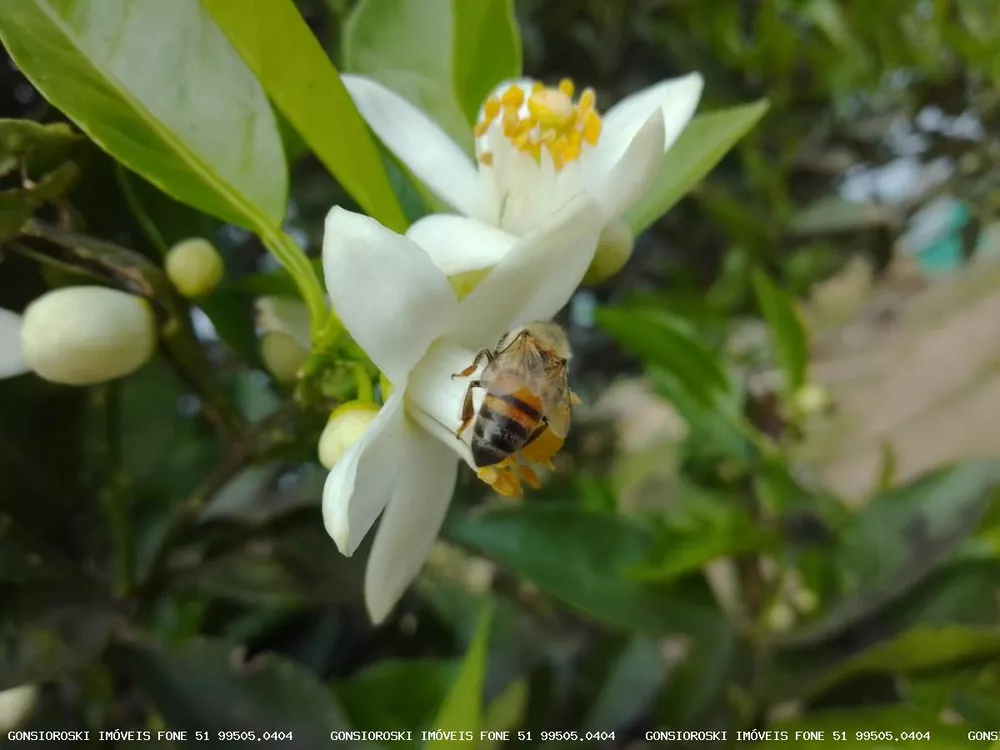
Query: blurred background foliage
[[776, 510]]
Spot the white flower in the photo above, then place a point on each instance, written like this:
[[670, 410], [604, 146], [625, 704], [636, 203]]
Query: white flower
[[78, 335], [16, 706], [194, 267], [401, 310], [535, 149]]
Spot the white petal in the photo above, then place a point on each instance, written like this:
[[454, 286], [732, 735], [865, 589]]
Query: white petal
[[361, 482], [676, 98], [459, 245], [434, 398], [285, 315], [411, 522], [12, 360], [535, 279], [418, 142], [386, 290], [621, 183]]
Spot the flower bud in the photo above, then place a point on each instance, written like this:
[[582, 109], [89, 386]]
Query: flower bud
[[87, 334], [16, 706], [614, 248], [194, 267], [347, 423], [811, 399], [282, 355]]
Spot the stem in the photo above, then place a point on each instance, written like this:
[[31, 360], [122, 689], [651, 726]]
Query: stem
[[366, 392], [295, 261], [114, 496], [277, 433]]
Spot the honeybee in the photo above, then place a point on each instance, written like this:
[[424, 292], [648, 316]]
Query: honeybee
[[527, 394]]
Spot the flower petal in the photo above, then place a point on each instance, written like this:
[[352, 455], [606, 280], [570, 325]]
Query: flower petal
[[623, 181], [676, 98], [458, 245], [12, 360], [411, 522], [391, 298], [418, 142], [434, 398], [535, 279], [361, 482]]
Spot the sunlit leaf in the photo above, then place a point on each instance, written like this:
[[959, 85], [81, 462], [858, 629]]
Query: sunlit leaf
[[170, 98], [290, 64], [788, 334], [701, 146], [462, 709]]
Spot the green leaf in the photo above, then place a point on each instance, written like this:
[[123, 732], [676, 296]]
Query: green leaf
[[582, 558], [397, 695], [899, 538], [206, 685], [698, 528], [670, 342], [701, 146], [408, 47], [487, 50], [288, 61], [881, 727], [462, 709], [699, 683], [634, 678], [47, 633], [507, 709], [788, 335], [159, 88]]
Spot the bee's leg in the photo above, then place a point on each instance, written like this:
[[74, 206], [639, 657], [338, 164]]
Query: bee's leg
[[574, 399], [480, 356], [468, 411]]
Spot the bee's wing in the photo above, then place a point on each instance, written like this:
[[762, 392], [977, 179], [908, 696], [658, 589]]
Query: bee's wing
[[559, 415]]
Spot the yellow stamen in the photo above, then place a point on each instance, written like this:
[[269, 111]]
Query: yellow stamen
[[530, 477], [486, 159], [542, 449], [546, 118], [502, 479]]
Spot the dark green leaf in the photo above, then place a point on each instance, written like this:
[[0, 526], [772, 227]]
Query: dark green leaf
[[169, 98], [788, 335], [462, 709], [667, 341], [388, 41], [397, 695], [487, 50], [701, 146], [899, 538], [582, 558], [47, 633], [288, 61], [699, 682], [206, 685]]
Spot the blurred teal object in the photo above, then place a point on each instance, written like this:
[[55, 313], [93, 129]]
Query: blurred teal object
[[935, 236]]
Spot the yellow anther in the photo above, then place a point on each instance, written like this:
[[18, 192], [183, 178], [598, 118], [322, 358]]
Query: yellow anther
[[481, 127], [491, 108], [530, 477], [592, 127], [552, 121], [486, 159], [513, 97]]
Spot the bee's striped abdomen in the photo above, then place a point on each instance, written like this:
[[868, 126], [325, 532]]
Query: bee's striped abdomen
[[504, 424]]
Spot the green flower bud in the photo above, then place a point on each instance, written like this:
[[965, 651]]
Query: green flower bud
[[811, 399], [282, 355], [87, 334], [194, 267], [614, 248], [16, 706], [347, 423]]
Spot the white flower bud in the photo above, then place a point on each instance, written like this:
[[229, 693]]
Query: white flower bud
[[347, 423], [87, 334], [16, 706], [282, 355], [194, 267], [614, 248]]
